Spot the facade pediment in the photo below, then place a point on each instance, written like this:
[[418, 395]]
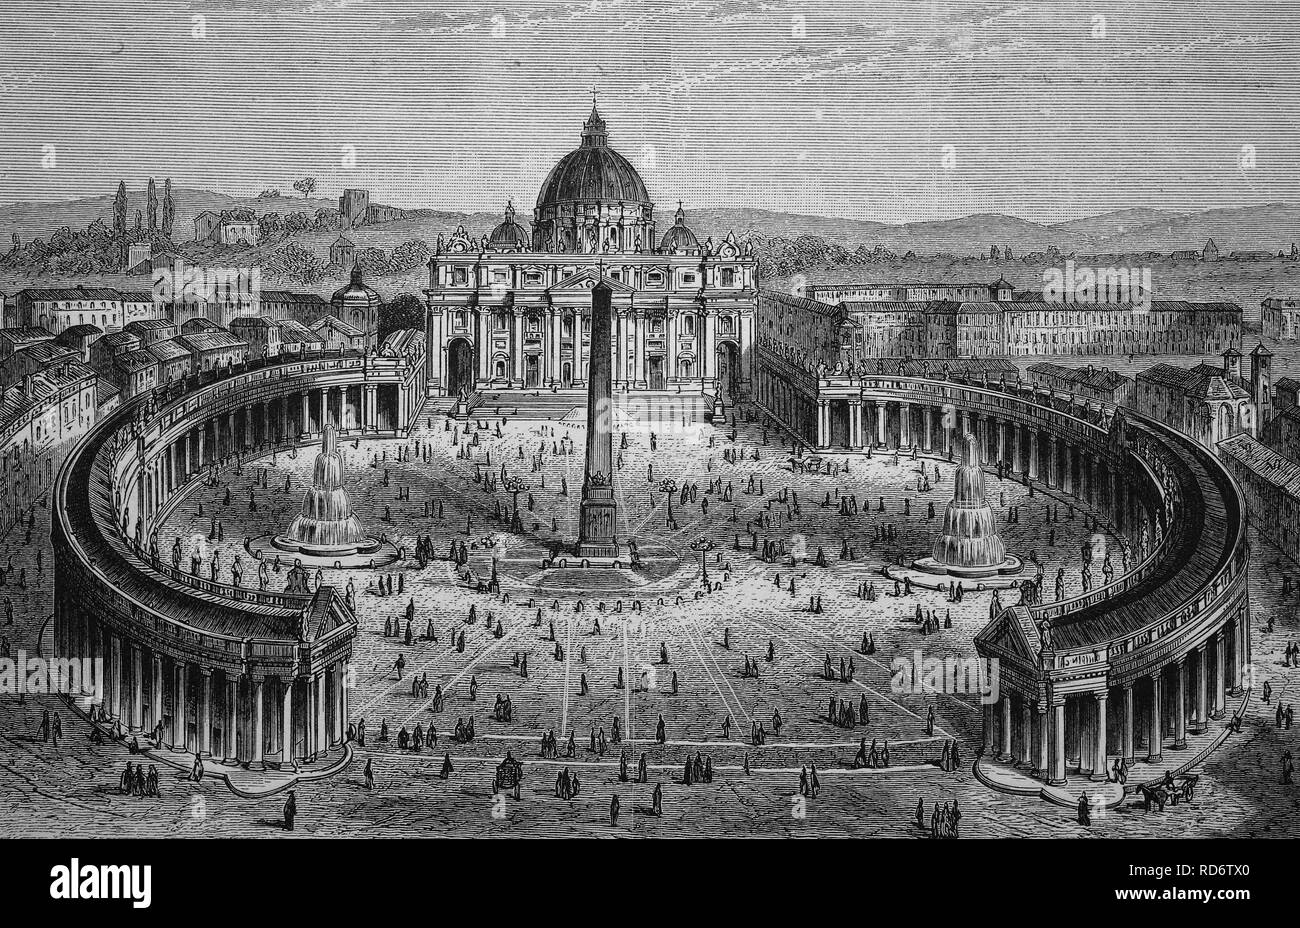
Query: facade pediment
[[585, 280]]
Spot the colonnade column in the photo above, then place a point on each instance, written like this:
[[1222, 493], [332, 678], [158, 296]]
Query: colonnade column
[[229, 736], [823, 424], [1220, 700], [1056, 773], [1180, 703], [1033, 454], [1043, 758], [1126, 725], [155, 690], [256, 734], [905, 425], [180, 711], [1099, 754], [855, 423], [204, 745], [1004, 728], [1155, 723], [1202, 715], [880, 423], [286, 720]]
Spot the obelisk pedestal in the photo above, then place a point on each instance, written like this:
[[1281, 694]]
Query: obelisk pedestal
[[597, 521]]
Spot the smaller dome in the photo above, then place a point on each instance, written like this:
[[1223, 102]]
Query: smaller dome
[[509, 235], [679, 239], [355, 291]]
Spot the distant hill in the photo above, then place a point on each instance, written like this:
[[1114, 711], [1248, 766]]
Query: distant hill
[[1131, 231]]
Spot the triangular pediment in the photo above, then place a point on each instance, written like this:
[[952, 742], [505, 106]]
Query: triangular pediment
[[585, 280], [1012, 632]]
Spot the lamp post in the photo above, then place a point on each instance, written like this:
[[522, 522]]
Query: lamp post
[[514, 486], [669, 487], [704, 546]]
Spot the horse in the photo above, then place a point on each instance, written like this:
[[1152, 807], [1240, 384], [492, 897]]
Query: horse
[[1150, 794]]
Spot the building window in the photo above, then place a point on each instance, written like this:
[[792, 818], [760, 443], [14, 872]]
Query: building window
[[459, 276], [533, 278], [688, 324], [728, 276], [461, 319], [655, 279]]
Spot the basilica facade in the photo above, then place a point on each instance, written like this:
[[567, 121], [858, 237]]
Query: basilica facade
[[511, 310]]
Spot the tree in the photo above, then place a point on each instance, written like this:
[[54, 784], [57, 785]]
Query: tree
[[169, 208], [306, 186], [405, 311], [119, 209], [296, 222], [269, 193], [153, 206], [269, 226]]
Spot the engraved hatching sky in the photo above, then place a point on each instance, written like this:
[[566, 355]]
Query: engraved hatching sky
[[841, 107]]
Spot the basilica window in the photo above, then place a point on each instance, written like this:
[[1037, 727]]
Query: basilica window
[[726, 325], [655, 279], [462, 319], [499, 321], [727, 277], [533, 278], [688, 324], [459, 276]]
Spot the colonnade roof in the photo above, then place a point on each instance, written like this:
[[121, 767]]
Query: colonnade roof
[[1209, 532]]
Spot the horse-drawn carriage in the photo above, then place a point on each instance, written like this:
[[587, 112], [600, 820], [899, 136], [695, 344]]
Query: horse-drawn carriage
[[1159, 792], [509, 774]]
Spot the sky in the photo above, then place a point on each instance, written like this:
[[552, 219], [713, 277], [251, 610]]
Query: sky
[[889, 110]]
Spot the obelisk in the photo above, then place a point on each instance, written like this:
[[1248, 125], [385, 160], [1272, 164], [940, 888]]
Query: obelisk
[[597, 516]]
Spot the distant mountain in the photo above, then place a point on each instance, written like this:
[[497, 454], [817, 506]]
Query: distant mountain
[[1117, 223], [1131, 231]]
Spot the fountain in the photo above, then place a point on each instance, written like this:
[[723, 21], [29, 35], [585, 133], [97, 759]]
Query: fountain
[[326, 527], [969, 545]]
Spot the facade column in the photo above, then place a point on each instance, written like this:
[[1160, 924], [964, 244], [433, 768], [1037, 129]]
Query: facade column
[[1156, 723], [230, 722], [517, 348], [553, 347], [256, 733], [1004, 728], [1056, 773], [1126, 725], [481, 342], [204, 735], [1099, 754], [638, 337], [1180, 705]]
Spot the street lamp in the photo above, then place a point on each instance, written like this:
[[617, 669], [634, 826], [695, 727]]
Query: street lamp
[[669, 487], [704, 546], [514, 486]]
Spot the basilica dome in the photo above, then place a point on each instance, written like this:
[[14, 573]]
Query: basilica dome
[[593, 201], [592, 173]]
